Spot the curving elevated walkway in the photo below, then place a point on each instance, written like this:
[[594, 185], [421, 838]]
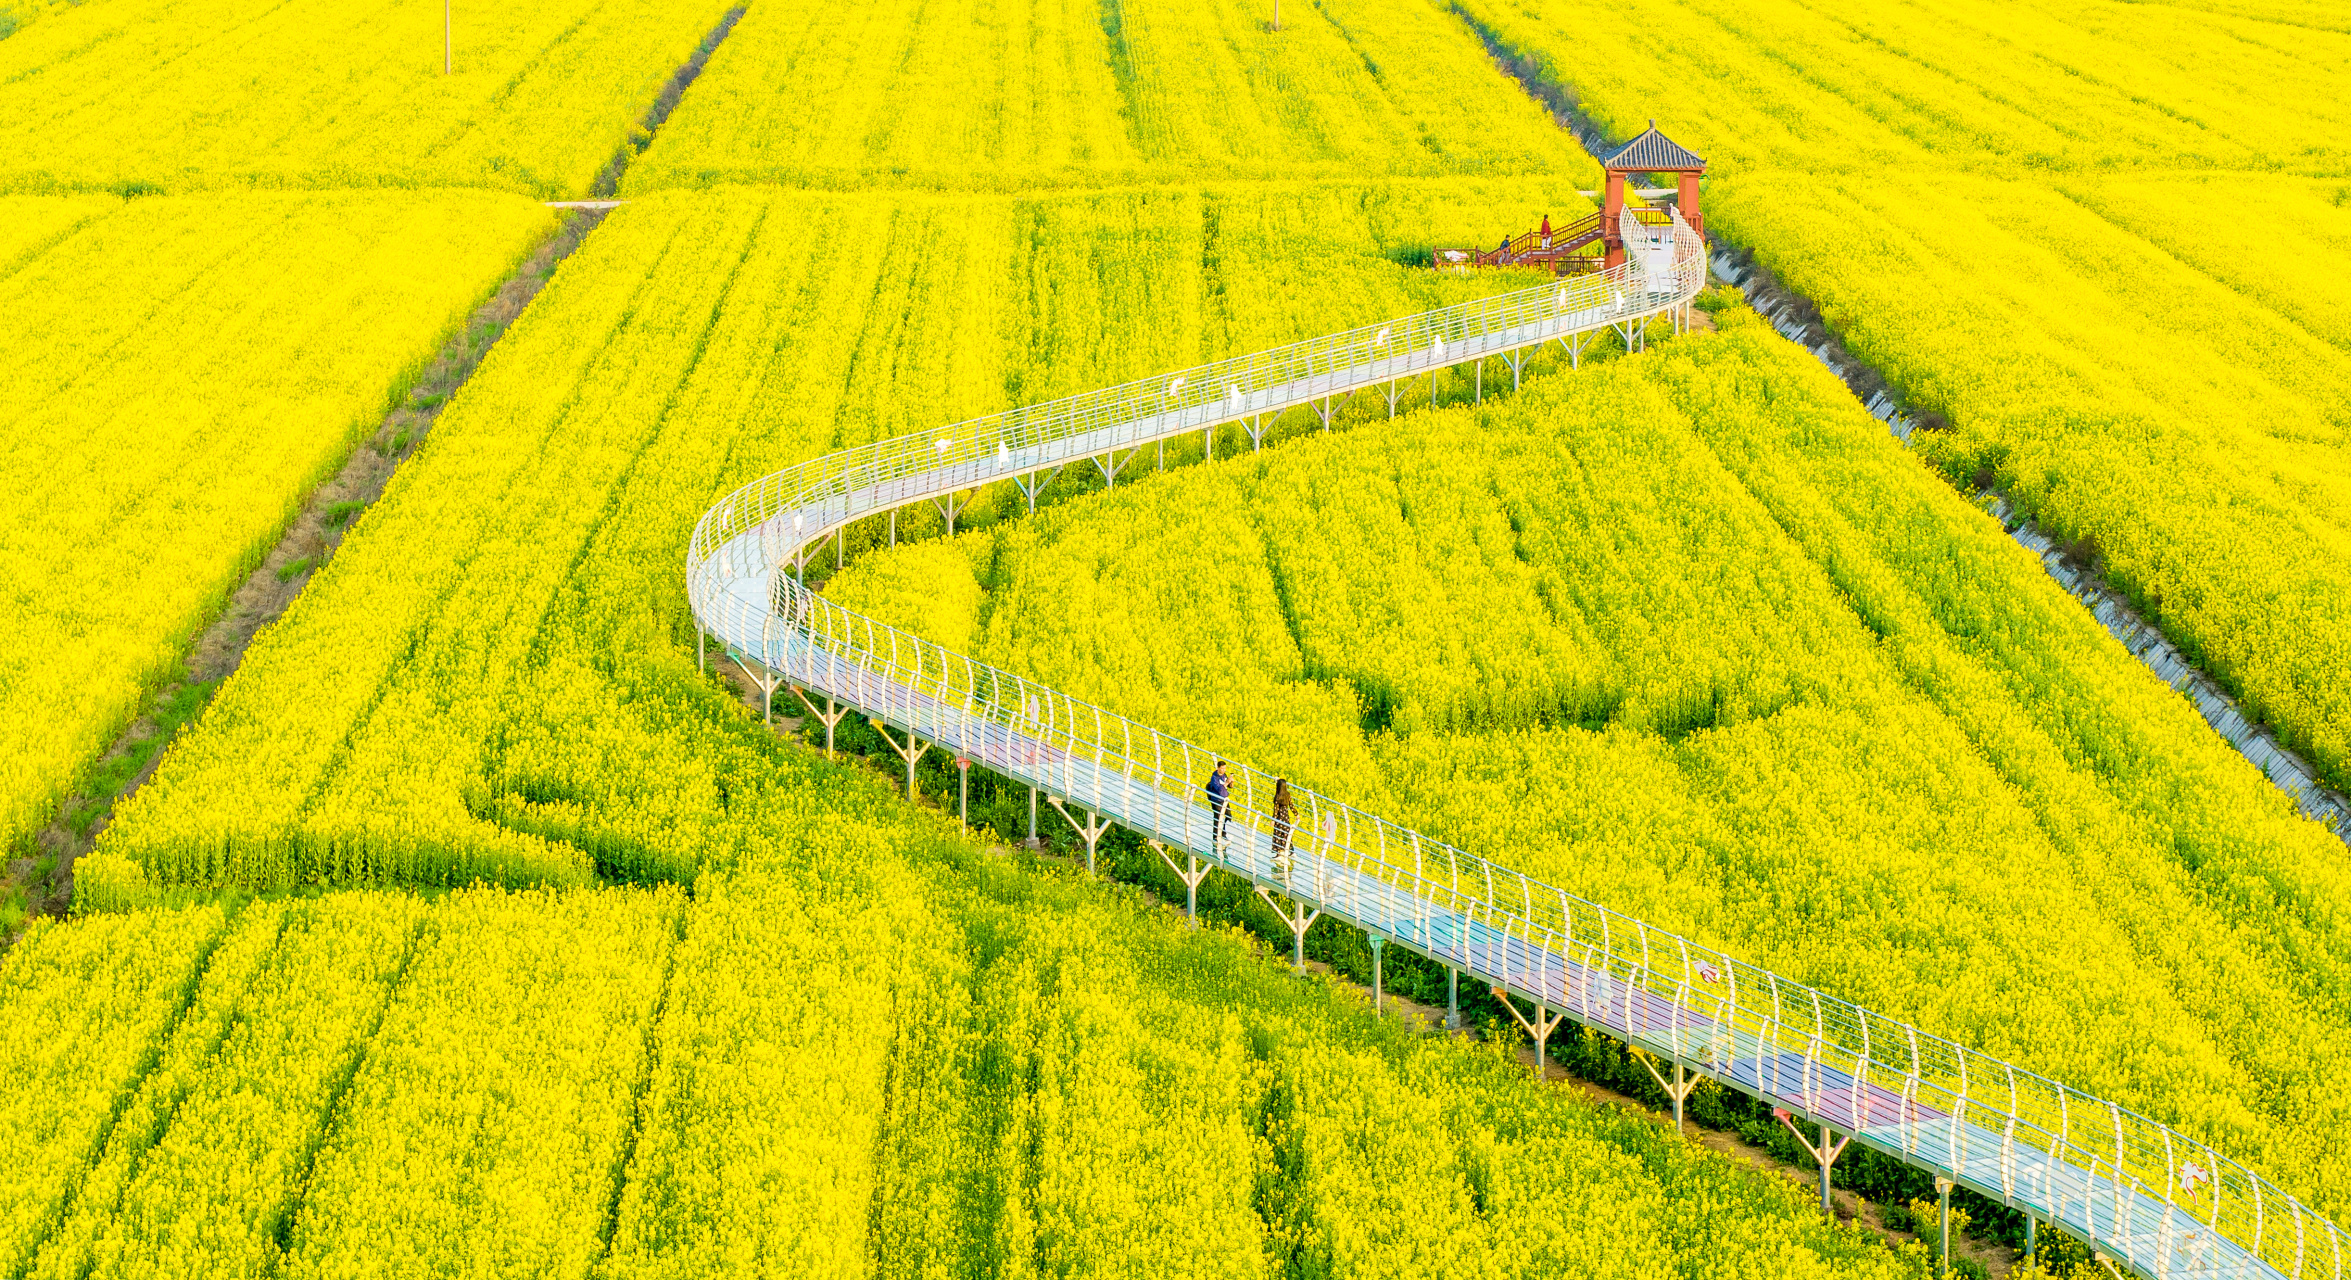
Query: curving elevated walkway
[[2150, 1199]]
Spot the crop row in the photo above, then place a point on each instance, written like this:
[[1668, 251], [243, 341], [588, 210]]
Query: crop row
[[868, 1048], [963, 97], [1689, 635], [167, 95], [186, 370]]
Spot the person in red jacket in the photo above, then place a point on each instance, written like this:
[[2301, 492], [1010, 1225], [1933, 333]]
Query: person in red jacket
[[1546, 231]]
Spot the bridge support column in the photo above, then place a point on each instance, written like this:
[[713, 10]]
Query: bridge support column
[[1378, 987], [963, 791], [701, 642], [1032, 817], [1824, 1153], [1191, 878], [1256, 427], [1091, 830], [912, 751], [1480, 398], [830, 716], [1574, 344], [1539, 1027], [2032, 1237], [1943, 1221], [1517, 361], [1452, 998], [1683, 1082], [1299, 919], [893, 526], [1393, 393]]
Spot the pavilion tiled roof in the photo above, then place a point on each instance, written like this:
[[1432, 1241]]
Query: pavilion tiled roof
[[1652, 152]]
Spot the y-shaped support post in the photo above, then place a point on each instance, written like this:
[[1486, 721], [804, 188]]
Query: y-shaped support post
[[1824, 1153], [1033, 484], [1191, 878], [1540, 1027], [1378, 990], [1683, 1082], [1091, 830], [1394, 391], [1574, 343], [830, 716], [1516, 359], [1452, 998], [1256, 426], [948, 506], [1480, 362], [1299, 919], [767, 689], [1108, 464], [912, 751], [963, 791]]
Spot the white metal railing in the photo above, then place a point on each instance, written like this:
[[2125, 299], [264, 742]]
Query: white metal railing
[[2149, 1197], [795, 507]]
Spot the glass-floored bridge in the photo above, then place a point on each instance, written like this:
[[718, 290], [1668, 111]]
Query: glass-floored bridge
[[2148, 1198]]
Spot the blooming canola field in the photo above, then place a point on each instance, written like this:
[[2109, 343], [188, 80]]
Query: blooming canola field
[[481, 922], [133, 502], [2100, 241], [1687, 634]]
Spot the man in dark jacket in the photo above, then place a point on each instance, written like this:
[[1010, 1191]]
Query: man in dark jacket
[[1220, 789]]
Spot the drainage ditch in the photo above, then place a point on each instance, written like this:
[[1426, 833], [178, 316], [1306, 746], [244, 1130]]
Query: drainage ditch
[[1798, 319]]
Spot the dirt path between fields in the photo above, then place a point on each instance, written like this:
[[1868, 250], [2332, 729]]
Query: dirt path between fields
[[308, 543], [44, 874]]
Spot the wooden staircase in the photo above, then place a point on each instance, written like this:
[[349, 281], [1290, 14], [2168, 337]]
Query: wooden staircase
[[1575, 248]]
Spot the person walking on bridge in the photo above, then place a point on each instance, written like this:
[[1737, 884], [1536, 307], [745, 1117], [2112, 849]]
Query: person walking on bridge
[[1220, 790], [1281, 827], [1546, 231]]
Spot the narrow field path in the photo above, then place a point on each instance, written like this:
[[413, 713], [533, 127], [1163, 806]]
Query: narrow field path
[[45, 874]]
